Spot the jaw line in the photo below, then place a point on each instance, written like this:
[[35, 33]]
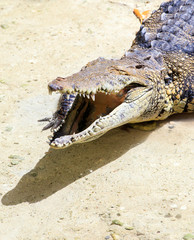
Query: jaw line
[[124, 113]]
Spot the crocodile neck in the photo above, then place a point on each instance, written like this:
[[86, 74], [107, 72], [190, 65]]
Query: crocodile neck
[[179, 81]]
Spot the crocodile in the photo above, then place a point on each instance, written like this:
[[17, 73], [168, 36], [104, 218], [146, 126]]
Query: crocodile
[[151, 81]]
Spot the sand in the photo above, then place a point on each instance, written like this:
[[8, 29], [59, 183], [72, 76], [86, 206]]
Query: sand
[[144, 180]]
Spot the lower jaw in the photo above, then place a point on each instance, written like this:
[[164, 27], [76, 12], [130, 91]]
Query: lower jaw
[[85, 111]]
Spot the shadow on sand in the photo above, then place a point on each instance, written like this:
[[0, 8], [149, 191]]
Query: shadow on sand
[[59, 168]]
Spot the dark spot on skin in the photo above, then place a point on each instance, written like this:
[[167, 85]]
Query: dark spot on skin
[[147, 58]]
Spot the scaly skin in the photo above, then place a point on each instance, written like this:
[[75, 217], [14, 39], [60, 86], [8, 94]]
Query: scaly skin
[[152, 81]]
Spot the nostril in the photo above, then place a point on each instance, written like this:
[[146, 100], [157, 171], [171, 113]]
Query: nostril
[[59, 79]]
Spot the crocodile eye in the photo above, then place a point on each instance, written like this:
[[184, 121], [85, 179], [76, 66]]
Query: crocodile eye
[[139, 66]]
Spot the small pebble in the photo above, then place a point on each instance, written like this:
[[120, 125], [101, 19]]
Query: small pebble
[[8, 129], [117, 222], [140, 233], [33, 173], [107, 237], [188, 236], [115, 236], [167, 215], [178, 216], [121, 208], [128, 228], [13, 156], [173, 206], [14, 162], [176, 164], [4, 26], [184, 207], [170, 126], [32, 61]]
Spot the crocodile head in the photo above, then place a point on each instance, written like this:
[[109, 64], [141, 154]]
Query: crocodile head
[[105, 94]]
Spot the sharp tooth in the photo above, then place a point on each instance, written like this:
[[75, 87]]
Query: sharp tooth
[[50, 137], [88, 96], [87, 134], [93, 97], [94, 91], [100, 124], [80, 94], [84, 95], [67, 96], [59, 145], [96, 129]]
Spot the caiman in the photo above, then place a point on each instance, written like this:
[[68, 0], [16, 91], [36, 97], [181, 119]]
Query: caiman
[[153, 80]]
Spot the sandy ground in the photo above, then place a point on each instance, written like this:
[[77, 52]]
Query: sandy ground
[[142, 179]]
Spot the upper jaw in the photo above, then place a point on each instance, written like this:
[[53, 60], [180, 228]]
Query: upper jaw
[[100, 75], [89, 80]]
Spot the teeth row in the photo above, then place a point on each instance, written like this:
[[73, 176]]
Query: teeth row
[[92, 96], [96, 128], [85, 93], [99, 125]]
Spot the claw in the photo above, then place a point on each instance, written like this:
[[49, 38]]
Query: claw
[[56, 124], [49, 125], [46, 119], [59, 116]]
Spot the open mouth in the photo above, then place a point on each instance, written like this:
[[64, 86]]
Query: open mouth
[[78, 112], [85, 111]]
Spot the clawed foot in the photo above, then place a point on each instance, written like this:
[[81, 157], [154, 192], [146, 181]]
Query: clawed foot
[[55, 122]]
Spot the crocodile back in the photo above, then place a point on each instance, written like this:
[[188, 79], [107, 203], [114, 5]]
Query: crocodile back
[[169, 34], [170, 28]]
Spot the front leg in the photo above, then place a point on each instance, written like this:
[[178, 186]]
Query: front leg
[[58, 118]]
